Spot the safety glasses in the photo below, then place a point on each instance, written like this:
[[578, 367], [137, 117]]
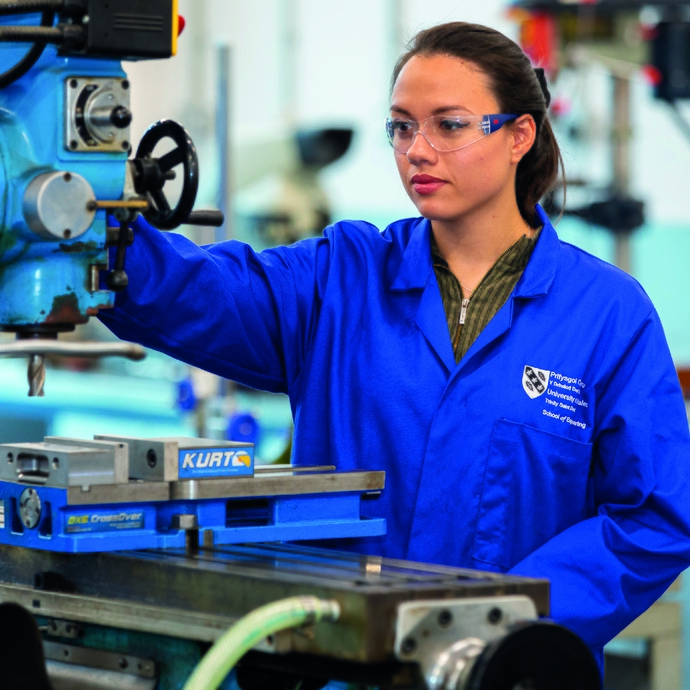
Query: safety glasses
[[444, 132]]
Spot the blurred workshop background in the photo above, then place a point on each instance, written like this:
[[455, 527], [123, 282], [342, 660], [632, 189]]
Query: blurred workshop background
[[285, 101]]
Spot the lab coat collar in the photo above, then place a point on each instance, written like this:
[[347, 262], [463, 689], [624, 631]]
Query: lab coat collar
[[540, 272], [416, 266]]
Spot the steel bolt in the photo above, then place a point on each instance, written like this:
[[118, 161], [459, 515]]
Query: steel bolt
[[445, 618], [186, 521], [408, 646], [495, 616]]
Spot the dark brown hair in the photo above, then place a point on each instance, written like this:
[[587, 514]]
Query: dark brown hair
[[517, 88]]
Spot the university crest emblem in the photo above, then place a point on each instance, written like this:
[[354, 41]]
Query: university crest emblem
[[535, 381]]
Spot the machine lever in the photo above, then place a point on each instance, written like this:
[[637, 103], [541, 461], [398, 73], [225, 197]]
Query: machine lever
[[37, 349], [117, 279], [132, 204], [210, 216]]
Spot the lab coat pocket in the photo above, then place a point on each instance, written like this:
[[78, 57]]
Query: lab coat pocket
[[535, 486]]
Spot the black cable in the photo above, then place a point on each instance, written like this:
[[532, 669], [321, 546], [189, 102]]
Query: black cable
[[31, 57], [682, 123], [8, 7]]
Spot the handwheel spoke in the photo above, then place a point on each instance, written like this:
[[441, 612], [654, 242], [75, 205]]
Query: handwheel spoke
[[171, 159], [161, 202]]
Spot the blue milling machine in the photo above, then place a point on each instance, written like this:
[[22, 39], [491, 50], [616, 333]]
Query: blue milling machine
[[165, 563]]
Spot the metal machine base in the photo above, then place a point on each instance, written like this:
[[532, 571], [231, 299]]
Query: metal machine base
[[397, 621]]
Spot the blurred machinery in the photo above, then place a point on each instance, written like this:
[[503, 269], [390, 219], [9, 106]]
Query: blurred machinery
[[211, 531], [280, 199], [625, 37], [628, 39]]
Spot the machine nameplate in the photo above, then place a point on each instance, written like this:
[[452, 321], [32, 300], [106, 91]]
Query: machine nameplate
[[215, 462], [99, 521]]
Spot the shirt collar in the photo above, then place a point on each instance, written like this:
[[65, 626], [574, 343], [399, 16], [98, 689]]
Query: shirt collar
[[540, 272], [513, 259]]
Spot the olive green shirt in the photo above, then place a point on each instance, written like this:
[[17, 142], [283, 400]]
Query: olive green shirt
[[488, 297]]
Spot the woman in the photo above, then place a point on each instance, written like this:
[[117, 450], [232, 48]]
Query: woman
[[517, 391]]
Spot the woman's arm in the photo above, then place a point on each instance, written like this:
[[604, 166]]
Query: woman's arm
[[225, 308]]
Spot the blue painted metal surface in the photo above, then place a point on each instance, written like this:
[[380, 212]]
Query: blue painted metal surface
[[47, 281], [144, 525]]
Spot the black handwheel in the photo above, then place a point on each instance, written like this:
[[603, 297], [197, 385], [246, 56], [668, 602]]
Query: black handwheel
[[152, 174], [535, 656]]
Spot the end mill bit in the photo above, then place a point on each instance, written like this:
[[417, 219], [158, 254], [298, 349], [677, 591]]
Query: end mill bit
[[36, 375]]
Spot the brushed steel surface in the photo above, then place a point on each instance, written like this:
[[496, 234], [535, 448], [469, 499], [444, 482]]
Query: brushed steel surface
[[288, 484], [283, 483]]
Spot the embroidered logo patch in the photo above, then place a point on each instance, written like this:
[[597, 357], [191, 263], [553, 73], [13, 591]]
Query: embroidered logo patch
[[535, 381]]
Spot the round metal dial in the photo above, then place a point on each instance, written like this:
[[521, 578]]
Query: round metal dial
[[30, 508]]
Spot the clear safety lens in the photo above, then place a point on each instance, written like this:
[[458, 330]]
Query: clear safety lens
[[444, 132]]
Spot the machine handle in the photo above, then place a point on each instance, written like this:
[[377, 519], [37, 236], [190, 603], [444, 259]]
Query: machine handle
[[210, 216], [35, 350], [18, 348], [117, 279]]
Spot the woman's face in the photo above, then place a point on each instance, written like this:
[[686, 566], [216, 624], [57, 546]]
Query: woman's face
[[450, 186]]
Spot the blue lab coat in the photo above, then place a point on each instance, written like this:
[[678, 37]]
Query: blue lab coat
[[558, 447]]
